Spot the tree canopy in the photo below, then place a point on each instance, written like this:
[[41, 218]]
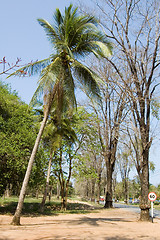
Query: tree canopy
[[17, 136]]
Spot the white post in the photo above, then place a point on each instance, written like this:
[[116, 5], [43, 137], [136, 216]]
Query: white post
[[152, 197], [152, 211]]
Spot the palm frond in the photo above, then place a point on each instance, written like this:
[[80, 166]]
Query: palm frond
[[54, 67], [95, 42], [69, 90], [32, 68], [48, 84], [49, 76], [68, 12], [65, 97], [76, 30], [50, 30], [58, 17], [102, 49], [87, 78]]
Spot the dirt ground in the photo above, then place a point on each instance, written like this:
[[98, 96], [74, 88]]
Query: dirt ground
[[114, 224]]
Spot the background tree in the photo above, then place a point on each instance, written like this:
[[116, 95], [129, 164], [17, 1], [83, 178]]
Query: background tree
[[111, 112], [18, 127], [89, 161], [125, 164], [51, 141], [70, 143]]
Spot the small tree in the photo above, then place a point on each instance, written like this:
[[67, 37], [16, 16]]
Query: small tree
[[125, 164]]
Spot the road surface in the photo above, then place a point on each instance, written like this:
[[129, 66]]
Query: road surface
[[135, 208]]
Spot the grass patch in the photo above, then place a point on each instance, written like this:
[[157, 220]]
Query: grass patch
[[31, 207]]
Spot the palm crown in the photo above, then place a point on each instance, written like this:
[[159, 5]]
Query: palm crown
[[72, 37]]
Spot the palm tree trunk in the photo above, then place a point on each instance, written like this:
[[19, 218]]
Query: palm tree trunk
[[16, 217], [47, 183], [48, 99]]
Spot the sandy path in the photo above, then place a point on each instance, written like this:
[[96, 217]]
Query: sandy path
[[115, 224]]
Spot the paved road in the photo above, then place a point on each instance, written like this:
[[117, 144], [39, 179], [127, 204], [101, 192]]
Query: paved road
[[134, 208]]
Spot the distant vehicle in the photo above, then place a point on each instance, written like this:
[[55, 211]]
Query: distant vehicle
[[130, 200], [136, 200], [101, 198]]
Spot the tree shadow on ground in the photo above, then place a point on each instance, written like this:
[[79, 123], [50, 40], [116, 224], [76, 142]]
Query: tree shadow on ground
[[90, 238], [96, 221], [82, 206], [29, 209], [118, 238], [53, 208], [4, 238]]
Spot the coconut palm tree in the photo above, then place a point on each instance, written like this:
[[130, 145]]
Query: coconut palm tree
[[72, 37]]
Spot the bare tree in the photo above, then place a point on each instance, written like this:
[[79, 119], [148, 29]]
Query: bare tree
[[133, 26], [110, 112]]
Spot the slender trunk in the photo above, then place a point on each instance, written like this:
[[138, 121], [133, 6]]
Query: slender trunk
[[47, 184], [125, 182], [58, 190], [87, 189], [108, 200], [62, 182], [16, 217], [66, 195], [99, 186], [8, 191], [68, 179], [93, 182], [50, 194], [63, 203], [144, 204], [37, 193]]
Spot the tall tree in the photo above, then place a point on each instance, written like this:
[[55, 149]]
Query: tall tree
[[72, 36], [134, 28], [110, 113]]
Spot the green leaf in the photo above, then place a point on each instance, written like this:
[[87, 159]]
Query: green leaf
[[104, 49]]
